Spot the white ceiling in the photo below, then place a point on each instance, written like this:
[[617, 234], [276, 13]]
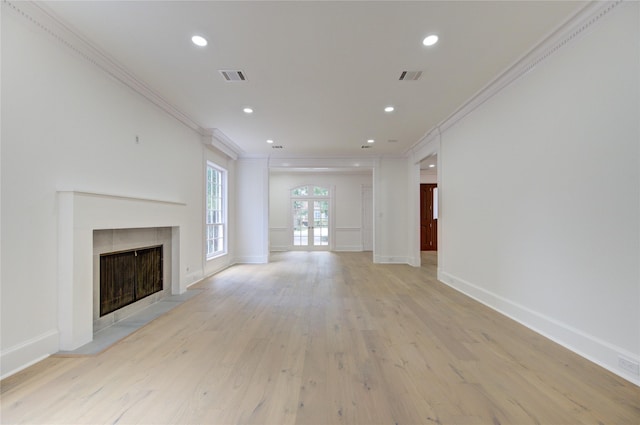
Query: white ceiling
[[319, 73]]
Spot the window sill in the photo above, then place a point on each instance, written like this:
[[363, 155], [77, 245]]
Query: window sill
[[216, 256]]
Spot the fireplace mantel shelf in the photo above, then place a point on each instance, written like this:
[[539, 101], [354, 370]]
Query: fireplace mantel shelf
[[124, 197]]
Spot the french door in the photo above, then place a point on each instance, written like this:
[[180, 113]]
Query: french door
[[310, 224]]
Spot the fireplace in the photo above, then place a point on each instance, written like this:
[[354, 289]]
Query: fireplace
[[90, 224], [132, 268]]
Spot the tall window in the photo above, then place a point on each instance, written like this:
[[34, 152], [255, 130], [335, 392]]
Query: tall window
[[216, 212]]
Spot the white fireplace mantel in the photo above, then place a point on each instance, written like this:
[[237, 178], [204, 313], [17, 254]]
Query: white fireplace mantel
[[79, 214]]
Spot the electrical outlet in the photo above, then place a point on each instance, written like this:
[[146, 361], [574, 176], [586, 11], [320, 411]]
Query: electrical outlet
[[629, 366]]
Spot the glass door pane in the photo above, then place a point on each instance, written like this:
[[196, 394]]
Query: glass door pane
[[300, 223], [320, 223]]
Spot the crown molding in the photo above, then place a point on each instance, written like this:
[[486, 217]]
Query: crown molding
[[333, 162], [42, 17], [219, 140], [45, 19], [565, 33]]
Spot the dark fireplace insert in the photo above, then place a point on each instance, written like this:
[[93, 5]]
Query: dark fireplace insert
[[129, 276]]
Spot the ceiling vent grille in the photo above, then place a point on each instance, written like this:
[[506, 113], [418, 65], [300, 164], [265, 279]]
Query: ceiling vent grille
[[276, 147], [232, 75], [410, 75]]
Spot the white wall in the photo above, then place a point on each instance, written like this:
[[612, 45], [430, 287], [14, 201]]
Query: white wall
[[346, 221], [540, 195], [252, 211], [428, 176], [67, 126], [394, 209]]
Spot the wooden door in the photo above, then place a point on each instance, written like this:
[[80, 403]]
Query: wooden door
[[428, 221]]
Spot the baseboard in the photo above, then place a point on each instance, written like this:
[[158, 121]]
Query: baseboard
[[348, 248], [211, 273], [591, 348], [383, 259], [279, 248], [257, 259], [341, 248], [23, 355]]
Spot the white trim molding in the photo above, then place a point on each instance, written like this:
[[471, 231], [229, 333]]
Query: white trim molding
[[600, 352], [219, 140], [44, 18], [348, 248], [28, 353], [558, 38], [309, 163], [351, 234], [121, 197], [254, 259], [385, 259]]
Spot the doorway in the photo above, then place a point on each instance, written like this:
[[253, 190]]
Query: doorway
[[428, 217], [367, 218], [310, 206]]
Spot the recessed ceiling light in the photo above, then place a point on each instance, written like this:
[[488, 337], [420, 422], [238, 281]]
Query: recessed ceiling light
[[199, 40], [432, 165], [371, 141], [248, 110], [430, 40], [389, 108], [269, 141]]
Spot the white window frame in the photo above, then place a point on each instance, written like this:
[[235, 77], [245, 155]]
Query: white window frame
[[215, 217]]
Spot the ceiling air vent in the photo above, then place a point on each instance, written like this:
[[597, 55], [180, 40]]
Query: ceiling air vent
[[410, 75], [276, 146], [365, 146], [232, 75]]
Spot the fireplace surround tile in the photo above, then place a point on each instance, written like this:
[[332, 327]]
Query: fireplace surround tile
[[114, 240]]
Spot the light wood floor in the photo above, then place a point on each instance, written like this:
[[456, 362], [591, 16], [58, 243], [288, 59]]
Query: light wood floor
[[324, 338]]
